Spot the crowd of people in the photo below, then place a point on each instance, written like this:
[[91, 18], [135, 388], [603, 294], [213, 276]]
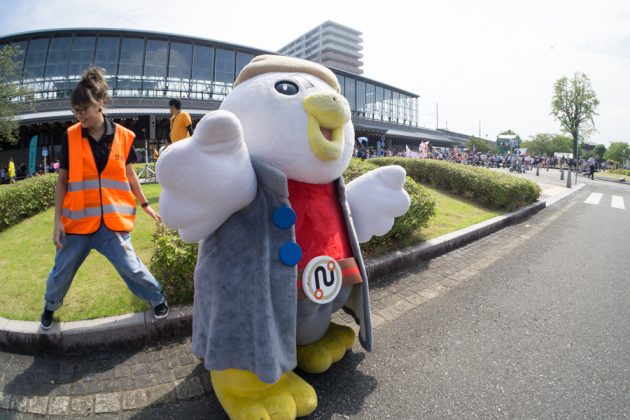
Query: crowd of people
[[514, 162], [10, 173]]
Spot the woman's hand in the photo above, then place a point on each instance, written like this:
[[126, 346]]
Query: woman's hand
[[58, 234], [152, 213]]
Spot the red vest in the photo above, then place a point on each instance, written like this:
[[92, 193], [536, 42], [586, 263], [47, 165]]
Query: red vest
[[91, 198]]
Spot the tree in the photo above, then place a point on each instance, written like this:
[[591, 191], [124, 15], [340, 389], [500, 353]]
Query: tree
[[599, 152], [480, 144], [574, 105], [10, 91], [618, 152]]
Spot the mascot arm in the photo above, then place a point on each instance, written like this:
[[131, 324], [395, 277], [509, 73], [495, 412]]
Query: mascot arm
[[375, 199], [206, 178]]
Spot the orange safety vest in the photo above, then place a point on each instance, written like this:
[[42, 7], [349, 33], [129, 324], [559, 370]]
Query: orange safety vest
[[91, 198]]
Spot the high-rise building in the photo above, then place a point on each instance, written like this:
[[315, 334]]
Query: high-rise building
[[330, 44]]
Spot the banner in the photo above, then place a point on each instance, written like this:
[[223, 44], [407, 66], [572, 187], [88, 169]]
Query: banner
[[32, 155]]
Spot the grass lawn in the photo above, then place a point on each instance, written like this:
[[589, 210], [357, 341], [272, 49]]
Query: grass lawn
[[609, 175], [98, 291]]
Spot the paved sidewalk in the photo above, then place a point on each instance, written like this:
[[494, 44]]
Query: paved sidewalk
[[126, 382]]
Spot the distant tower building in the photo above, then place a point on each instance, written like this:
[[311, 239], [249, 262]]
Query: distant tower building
[[330, 44]]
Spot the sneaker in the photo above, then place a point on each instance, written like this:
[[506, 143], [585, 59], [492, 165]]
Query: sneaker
[[160, 311], [46, 321]]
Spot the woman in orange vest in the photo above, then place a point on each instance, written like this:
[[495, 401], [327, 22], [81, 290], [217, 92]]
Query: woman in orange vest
[[95, 201]]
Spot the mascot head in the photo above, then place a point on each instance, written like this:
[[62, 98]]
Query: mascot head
[[293, 117]]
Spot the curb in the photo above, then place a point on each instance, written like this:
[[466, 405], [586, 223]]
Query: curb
[[140, 329]]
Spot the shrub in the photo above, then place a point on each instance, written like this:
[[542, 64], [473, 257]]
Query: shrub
[[25, 199], [173, 264], [138, 168], [486, 187], [625, 172]]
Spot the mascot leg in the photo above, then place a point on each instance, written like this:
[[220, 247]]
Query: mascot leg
[[244, 396], [317, 357]]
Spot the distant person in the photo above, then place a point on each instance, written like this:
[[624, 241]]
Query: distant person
[[95, 201], [11, 171], [181, 123], [591, 167]]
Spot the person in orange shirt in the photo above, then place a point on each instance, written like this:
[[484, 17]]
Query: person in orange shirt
[[181, 123], [95, 201]]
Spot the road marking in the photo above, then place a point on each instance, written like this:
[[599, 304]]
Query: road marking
[[594, 198], [617, 202]]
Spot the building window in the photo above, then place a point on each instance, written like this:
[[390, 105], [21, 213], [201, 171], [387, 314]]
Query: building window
[[202, 71], [351, 94], [242, 59], [106, 57], [223, 73], [81, 55], [179, 69]]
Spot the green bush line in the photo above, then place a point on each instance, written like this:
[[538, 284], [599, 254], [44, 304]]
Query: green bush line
[[25, 199], [484, 186], [625, 172]]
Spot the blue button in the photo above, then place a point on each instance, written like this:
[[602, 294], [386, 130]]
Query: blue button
[[290, 253], [283, 217]]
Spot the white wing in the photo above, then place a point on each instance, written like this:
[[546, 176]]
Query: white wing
[[375, 199], [206, 178]]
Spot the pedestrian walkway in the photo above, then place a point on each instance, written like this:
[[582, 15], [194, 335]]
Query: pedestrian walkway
[[125, 382]]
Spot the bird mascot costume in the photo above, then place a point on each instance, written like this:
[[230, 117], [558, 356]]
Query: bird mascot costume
[[259, 185]]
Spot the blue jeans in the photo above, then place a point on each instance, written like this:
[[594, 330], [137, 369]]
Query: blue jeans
[[76, 249]]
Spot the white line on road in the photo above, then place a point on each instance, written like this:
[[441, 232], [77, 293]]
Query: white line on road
[[617, 202], [594, 198]]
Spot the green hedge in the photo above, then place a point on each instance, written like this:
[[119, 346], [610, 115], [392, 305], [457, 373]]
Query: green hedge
[[139, 169], [625, 172], [173, 261], [486, 187], [173, 264], [25, 199]]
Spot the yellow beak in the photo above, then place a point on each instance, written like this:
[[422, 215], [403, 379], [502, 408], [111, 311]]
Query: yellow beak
[[327, 114]]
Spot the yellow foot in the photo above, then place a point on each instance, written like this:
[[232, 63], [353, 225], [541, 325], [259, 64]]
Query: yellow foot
[[244, 396], [317, 357]]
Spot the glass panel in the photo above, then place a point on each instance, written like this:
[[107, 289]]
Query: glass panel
[[378, 106], [202, 70], [350, 94], [342, 87], [131, 57], [223, 73], [58, 54], [81, 55], [242, 59], [36, 58], [396, 114], [224, 68], [387, 105], [369, 100], [18, 58], [180, 61], [107, 54], [130, 68], [155, 62], [361, 98]]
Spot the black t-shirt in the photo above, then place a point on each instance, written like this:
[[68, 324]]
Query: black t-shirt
[[100, 149]]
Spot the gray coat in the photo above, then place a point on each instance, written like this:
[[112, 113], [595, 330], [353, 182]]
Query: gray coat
[[246, 312]]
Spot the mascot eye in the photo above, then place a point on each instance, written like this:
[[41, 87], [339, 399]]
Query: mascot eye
[[287, 88]]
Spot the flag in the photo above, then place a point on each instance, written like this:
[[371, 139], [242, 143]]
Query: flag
[[474, 149], [454, 150], [407, 151]]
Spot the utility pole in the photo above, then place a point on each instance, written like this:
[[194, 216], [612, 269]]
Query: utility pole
[[479, 128]]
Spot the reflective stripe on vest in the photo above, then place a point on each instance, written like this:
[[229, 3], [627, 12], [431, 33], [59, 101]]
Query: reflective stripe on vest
[[93, 185], [96, 211], [92, 198]]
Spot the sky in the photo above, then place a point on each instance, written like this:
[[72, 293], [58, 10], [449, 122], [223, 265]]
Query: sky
[[479, 67]]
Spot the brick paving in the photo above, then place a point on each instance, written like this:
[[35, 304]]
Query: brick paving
[[109, 383]]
